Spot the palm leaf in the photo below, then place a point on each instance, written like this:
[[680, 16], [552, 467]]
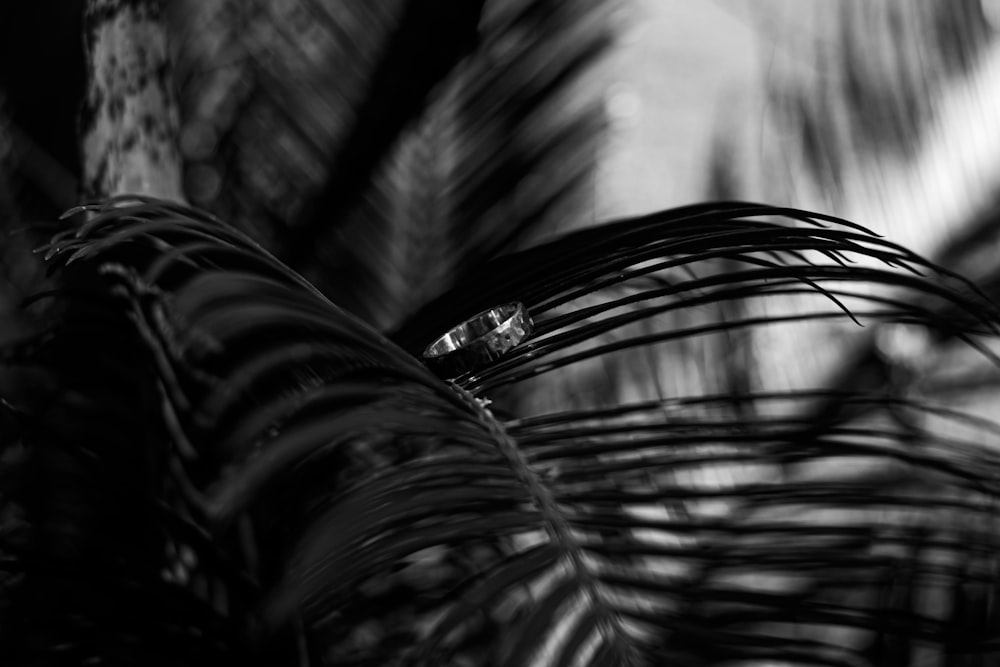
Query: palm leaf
[[512, 123], [429, 40], [405, 521], [320, 127]]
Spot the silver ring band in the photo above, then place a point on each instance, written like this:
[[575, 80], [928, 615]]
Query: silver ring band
[[479, 340]]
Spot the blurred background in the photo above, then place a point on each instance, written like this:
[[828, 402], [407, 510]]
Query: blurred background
[[329, 132]]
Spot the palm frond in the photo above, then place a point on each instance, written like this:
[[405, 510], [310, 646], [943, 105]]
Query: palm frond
[[318, 150], [866, 120], [401, 519], [866, 102], [511, 124], [668, 277], [267, 91], [428, 41], [232, 333]]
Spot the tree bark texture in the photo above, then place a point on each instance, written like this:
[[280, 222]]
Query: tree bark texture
[[130, 115]]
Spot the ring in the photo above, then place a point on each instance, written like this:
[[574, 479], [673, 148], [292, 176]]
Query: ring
[[479, 340]]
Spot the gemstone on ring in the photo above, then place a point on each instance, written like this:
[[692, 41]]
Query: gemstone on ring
[[479, 340]]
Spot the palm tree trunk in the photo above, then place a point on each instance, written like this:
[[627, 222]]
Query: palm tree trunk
[[129, 119]]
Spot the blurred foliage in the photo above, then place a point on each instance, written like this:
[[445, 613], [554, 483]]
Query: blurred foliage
[[287, 129], [491, 142], [881, 112], [853, 88], [205, 459]]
